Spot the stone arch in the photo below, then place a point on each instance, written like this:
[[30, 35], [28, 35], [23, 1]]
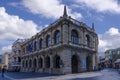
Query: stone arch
[[35, 45], [74, 36], [34, 64], [48, 40], [26, 63], [40, 62], [57, 37], [47, 62], [30, 63], [23, 63], [88, 62], [88, 40], [74, 63], [57, 61], [40, 43]]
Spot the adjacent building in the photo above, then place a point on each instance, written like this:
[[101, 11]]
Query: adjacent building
[[15, 56], [4, 60], [65, 46], [112, 57]]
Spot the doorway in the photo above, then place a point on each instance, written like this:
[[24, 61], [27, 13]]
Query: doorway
[[74, 64]]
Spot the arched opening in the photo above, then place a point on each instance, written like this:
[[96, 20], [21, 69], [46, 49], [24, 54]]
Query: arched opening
[[74, 63], [47, 62], [88, 63], [57, 61], [30, 63], [40, 44], [34, 64], [23, 64], [26, 64], [57, 37], [35, 46], [74, 37], [19, 59], [48, 41], [88, 40], [40, 62]]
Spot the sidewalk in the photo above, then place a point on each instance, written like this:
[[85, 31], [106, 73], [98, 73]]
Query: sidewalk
[[26, 75], [3, 78]]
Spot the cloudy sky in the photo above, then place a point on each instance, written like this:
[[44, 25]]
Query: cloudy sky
[[24, 18]]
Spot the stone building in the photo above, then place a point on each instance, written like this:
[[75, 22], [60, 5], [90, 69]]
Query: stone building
[[65, 46], [15, 56], [4, 60], [112, 57]]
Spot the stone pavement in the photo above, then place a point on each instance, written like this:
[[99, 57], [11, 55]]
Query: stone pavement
[[106, 74], [3, 78]]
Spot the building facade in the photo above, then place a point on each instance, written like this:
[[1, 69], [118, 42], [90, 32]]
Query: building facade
[[4, 60], [111, 58], [65, 46], [15, 56]]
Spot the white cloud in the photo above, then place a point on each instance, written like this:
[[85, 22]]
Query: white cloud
[[6, 49], [109, 40], [13, 27], [113, 31], [101, 6], [48, 8]]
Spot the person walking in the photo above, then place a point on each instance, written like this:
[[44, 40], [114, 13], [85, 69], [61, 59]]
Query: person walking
[[3, 70]]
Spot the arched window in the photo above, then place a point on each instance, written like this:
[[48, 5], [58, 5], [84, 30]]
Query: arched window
[[57, 37], [47, 62], [57, 61], [40, 62], [48, 41], [35, 46], [40, 44], [30, 63], [88, 40], [74, 37]]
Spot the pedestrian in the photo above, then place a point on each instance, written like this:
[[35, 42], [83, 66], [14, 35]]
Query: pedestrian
[[3, 70]]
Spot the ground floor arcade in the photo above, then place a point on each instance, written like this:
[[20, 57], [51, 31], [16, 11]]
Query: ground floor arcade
[[60, 61]]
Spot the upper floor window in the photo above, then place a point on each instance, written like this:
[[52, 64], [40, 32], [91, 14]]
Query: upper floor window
[[40, 44], [57, 37], [48, 41], [74, 37], [30, 47], [88, 40], [35, 46]]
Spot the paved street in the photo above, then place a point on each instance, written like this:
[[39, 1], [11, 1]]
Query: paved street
[[3, 78], [106, 74]]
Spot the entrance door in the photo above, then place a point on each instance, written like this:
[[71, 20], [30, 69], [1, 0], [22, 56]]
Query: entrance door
[[74, 64], [88, 61]]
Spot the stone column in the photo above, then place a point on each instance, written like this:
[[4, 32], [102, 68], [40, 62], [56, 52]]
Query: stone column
[[51, 64], [65, 33], [93, 61], [66, 58], [37, 67]]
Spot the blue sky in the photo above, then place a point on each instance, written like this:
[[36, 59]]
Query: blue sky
[[24, 18]]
